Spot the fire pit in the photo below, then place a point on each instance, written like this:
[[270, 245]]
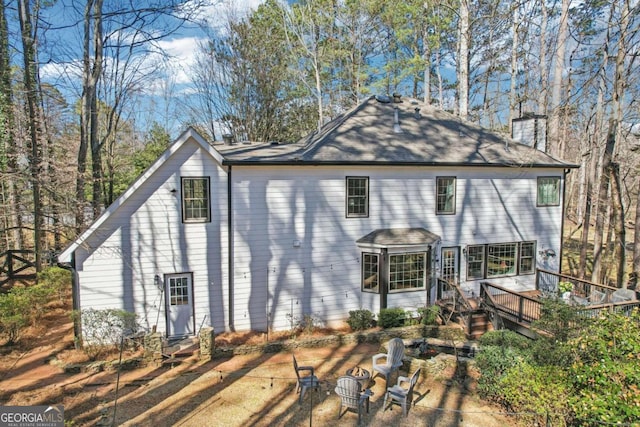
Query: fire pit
[[360, 374]]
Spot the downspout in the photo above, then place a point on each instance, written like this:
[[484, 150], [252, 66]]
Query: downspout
[[230, 250], [75, 299]]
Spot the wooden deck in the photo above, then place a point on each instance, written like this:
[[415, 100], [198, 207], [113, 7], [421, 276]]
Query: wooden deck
[[519, 310]]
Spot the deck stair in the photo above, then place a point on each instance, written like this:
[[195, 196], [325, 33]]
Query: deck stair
[[479, 325]]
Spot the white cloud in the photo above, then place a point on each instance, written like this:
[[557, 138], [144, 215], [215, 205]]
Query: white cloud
[[182, 56]]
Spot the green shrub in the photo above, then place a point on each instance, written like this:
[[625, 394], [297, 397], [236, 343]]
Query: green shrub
[[539, 393], [505, 338], [20, 307], [103, 329], [494, 362], [57, 279], [391, 318], [14, 314], [429, 315], [360, 320], [605, 375]]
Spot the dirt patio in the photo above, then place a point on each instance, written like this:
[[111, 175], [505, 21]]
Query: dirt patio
[[247, 390]]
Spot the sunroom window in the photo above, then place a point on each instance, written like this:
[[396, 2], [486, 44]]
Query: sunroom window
[[407, 271], [370, 273]]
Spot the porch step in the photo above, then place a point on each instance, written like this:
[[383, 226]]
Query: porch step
[[480, 324], [175, 351]]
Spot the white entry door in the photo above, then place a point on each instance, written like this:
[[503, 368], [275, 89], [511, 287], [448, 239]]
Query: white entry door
[[450, 266], [179, 305]]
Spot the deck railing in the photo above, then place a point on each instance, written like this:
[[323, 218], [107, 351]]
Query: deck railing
[[451, 296], [510, 304], [549, 282], [524, 309]]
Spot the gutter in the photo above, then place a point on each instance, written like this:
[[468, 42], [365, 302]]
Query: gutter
[[75, 298]]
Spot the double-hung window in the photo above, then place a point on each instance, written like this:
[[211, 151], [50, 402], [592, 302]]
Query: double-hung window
[[370, 273], [196, 205], [548, 191], [357, 197], [527, 258], [475, 262], [445, 195]]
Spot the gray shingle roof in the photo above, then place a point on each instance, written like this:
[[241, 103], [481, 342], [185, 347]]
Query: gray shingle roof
[[399, 237], [365, 135]]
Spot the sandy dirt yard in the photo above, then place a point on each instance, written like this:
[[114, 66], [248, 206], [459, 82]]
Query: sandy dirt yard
[[247, 390]]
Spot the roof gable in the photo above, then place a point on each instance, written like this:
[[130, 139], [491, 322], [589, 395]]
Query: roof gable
[[188, 135]]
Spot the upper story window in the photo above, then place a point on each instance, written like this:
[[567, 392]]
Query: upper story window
[[196, 205], [357, 196], [548, 191], [445, 195]]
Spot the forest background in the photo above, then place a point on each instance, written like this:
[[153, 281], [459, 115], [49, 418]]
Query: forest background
[[90, 94]]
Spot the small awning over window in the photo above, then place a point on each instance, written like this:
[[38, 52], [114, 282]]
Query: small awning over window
[[389, 237]]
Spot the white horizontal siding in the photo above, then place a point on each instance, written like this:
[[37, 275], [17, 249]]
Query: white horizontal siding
[[145, 237], [272, 208]]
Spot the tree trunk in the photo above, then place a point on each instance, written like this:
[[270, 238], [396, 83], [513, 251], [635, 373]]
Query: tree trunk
[[513, 96], [96, 70], [463, 60], [542, 68], [633, 280], [31, 95], [619, 252], [613, 131], [556, 88], [12, 219]]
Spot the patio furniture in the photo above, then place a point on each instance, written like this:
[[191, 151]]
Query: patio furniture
[[597, 297], [402, 392], [360, 374], [309, 380], [351, 396], [392, 359], [622, 295]]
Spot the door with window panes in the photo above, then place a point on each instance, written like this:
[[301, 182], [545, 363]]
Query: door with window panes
[[450, 264], [179, 305]]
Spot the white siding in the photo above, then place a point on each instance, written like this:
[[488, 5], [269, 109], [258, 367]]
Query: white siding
[[275, 280], [294, 252], [145, 237]]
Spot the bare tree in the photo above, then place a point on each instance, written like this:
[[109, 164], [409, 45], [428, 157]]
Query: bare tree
[[28, 36]]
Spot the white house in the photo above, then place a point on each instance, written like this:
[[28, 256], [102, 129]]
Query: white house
[[364, 214]]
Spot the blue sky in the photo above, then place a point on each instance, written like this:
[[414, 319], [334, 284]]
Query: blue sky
[[161, 97]]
